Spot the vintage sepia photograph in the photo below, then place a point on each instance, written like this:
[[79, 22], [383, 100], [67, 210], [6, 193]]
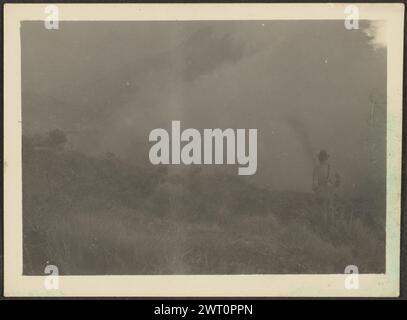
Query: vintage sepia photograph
[[207, 146]]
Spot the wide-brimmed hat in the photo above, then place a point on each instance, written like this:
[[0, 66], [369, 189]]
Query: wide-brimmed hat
[[323, 155]]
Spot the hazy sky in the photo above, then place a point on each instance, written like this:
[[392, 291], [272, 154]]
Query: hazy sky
[[305, 85]]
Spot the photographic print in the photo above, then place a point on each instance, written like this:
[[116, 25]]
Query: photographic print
[[203, 150]]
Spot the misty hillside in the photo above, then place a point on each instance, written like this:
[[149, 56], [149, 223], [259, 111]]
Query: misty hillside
[[99, 215]]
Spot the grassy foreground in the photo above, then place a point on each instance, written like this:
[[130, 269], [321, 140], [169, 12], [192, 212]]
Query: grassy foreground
[[100, 216]]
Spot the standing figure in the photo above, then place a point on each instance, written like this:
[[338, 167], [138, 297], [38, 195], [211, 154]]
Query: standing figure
[[325, 182]]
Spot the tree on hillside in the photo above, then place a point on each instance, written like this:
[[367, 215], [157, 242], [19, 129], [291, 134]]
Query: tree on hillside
[[54, 140]]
